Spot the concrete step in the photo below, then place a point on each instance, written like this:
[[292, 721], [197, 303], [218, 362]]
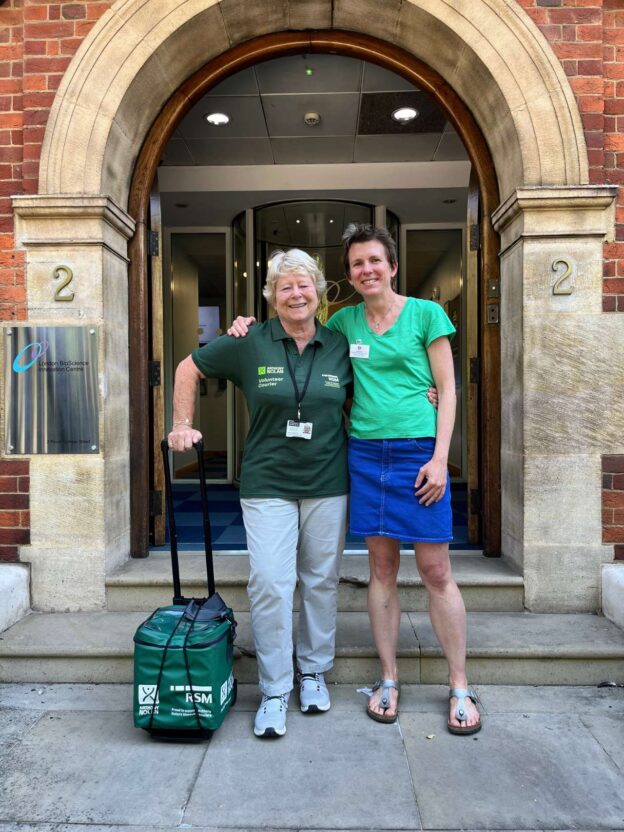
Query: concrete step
[[503, 648], [487, 584]]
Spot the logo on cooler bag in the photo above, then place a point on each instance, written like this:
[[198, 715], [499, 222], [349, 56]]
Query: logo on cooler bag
[[148, 699], [198, 693]]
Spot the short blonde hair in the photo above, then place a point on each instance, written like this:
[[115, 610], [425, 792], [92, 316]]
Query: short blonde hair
[[293, 261]]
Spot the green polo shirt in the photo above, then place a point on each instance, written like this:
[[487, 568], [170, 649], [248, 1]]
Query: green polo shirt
[[274, 465]]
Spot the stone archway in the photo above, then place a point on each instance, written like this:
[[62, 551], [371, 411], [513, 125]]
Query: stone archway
[[141, 51], [499, 65]]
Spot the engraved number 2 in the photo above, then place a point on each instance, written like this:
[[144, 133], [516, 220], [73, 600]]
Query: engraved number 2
[[559, 288], [59, 295]]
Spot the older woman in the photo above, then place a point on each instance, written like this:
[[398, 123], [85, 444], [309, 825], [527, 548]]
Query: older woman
[[294, 482]]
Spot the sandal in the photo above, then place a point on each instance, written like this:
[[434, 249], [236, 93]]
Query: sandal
[[460, 711], [385, 701]]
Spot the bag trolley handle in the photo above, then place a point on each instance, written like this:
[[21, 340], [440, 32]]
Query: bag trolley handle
[[177, 593]]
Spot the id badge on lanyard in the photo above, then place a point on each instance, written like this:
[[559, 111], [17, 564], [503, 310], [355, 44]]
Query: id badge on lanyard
[[295, 428], [298, 430]]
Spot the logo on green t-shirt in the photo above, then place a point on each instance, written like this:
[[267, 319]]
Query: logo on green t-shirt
[[261, 371]]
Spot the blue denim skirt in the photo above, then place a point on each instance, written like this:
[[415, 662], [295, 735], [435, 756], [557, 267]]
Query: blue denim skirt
[[383, 503]]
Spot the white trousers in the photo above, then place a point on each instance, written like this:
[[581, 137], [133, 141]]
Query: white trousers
[[289, 539]]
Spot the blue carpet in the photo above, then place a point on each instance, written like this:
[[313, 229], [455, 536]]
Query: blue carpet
[[228, 531]]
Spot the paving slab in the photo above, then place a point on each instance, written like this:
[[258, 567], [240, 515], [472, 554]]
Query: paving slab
[[14, 724], [77, 767], [79, 827], [520, 772], [323, 774], [89, 827], [589, 699], [531, 767], [609, 732]]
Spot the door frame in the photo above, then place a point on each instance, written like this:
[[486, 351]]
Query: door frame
[[362, 47]]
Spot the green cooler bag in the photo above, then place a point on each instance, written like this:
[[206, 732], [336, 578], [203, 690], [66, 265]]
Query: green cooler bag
[[183, 669]]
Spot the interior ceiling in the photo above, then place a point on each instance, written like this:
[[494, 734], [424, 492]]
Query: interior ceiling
[[266, 105]]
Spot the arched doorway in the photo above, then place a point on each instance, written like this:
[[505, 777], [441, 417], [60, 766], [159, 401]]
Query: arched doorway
[[487, 387]]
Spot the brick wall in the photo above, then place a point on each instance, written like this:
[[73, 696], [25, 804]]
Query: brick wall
[[14, 507], [613, 502], [588, 38], [12, 292], [37, 42]]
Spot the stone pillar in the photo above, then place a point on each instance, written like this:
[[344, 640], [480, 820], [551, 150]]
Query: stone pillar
[[80, 517], [562, 386]]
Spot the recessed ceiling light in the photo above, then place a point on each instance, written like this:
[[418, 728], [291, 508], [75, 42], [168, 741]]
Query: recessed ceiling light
[[449, 201], [312, 119], [331, 221], [405, 114], [217, 119]]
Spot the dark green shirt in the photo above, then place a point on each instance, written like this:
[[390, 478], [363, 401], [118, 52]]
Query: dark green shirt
[[274, 465]]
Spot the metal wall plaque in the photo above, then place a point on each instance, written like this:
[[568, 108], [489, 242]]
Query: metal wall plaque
[[51, 384]]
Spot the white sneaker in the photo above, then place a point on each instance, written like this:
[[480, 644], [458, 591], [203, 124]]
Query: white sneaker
[[313, 693], [271, 716]]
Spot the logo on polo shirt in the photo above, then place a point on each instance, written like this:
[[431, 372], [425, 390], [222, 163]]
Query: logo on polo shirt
[[270, 377], [270, 371]]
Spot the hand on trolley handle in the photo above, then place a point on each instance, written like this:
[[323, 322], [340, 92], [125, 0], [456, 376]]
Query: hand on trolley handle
[[183, 438]]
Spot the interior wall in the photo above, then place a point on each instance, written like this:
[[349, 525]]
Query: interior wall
[[444, 277]]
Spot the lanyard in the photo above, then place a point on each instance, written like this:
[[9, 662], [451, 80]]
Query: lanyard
[[299, 396]]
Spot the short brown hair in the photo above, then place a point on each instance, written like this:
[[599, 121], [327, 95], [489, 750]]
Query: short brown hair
[[363, 232]]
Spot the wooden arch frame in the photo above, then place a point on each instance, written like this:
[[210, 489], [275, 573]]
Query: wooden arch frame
[[240, 57]]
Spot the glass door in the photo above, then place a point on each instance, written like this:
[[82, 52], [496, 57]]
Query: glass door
[[200, 307]]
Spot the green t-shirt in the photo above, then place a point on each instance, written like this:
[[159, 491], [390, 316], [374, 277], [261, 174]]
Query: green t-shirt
[[390, 386], [274, 465]]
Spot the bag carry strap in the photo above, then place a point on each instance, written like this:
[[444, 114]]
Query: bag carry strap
[[205, 733], [175, 568], [161, 669]]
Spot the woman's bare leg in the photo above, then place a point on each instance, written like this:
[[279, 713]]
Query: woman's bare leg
[[448, 617], [384, 611]]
